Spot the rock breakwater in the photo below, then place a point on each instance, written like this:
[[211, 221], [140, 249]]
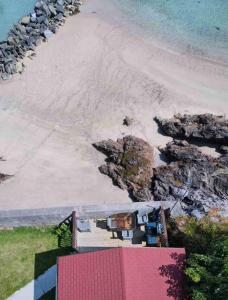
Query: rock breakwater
[[30, 31]]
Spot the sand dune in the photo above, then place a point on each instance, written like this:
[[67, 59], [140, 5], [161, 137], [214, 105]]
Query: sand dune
[[77, 91]]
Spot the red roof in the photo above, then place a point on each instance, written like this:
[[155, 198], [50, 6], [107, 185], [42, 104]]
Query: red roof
[[122, 274]]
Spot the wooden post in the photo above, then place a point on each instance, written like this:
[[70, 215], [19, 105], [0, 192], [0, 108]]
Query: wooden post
[[74, 231], [163, 222]]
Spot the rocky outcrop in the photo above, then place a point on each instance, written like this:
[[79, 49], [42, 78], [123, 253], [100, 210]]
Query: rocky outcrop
[[205, 128], [31, 30], [129, 163], [199, 181]]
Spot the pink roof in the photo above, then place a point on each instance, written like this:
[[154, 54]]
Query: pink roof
[[122, 274]]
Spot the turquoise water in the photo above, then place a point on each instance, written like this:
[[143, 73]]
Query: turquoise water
[[198, 26], [11, 11]]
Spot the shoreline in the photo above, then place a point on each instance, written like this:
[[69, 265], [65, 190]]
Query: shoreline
[[115, 15], [77, 91]]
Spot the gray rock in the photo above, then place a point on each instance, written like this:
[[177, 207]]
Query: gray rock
[[5, 76], [52, 9], [25, 20], [223, 149], [195, 213], [45, 9], [41, 19], [59, 9], [33, 18], [19, 67], [47, 33], [205, 127], [59, 17]]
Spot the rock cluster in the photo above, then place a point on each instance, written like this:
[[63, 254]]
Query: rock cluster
[[197, 180], [205, 127], [130, 164], [22, 39]]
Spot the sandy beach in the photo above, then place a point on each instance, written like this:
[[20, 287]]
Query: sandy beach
[[76, 91]]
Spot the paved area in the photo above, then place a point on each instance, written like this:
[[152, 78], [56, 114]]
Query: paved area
[[99, 239], [53, 216], [35, 289]]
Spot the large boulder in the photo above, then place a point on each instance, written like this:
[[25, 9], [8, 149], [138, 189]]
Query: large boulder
[[130, 164], [199, 181], [204, 127]]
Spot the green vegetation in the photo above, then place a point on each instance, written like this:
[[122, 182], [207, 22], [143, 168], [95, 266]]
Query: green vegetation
[[64, 235], [206, 244], [134, 164], [25, 254]]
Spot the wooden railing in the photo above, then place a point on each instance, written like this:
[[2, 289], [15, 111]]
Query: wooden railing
[[71, 222]]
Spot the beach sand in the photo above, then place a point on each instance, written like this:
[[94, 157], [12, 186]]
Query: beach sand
[[77, 91]]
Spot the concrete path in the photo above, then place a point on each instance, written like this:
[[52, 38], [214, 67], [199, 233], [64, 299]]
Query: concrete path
[[35, 289], [53, 216]]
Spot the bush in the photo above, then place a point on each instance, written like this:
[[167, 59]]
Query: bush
[[207, 264]]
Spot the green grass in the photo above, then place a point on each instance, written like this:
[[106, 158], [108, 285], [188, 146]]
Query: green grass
[[25, 254]]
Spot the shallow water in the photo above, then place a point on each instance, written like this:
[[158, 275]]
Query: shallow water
[[10, 13], [197, 26]]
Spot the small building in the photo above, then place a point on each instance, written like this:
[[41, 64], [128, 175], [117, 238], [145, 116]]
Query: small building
[[122, 274]]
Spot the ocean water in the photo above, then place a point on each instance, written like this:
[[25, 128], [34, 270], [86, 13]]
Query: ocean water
[[199, 27], [10, 13], [196, 26]]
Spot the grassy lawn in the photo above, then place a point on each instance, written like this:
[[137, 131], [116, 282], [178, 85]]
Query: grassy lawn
[[25, 254]]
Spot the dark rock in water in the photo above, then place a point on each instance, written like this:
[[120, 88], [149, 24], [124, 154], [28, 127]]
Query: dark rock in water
[[198, 180], [129, 163], [205, 127]]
